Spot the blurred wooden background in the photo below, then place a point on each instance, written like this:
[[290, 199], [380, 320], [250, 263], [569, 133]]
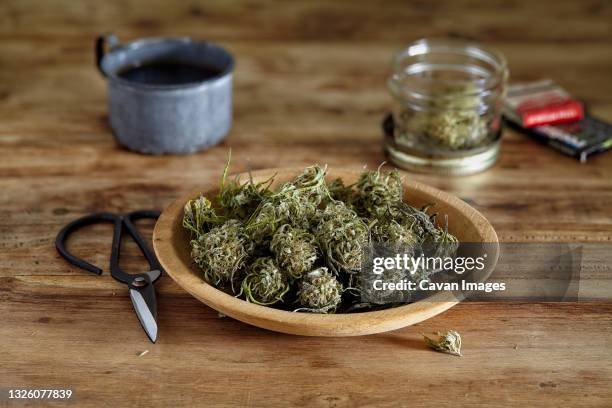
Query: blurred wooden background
[[309, 87]]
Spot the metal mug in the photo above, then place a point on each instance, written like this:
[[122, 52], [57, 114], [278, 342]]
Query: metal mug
[[166, 118]]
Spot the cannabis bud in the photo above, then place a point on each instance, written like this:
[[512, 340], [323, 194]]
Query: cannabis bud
[[414, 219], [264, 283], [376, 191], [241, 200], [439, 242], [294, 203], [199, 216], [455, 129], [319, 291], [453, 120], [295, 250], [310, 186], [264, 222], [222, 251], [340, 192], [393, 235], [449, 343], [342, 235]]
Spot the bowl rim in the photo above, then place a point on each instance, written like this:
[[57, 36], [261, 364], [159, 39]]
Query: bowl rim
[[241, 310]]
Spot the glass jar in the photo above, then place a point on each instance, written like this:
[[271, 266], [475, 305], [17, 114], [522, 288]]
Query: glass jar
[[447, 111]]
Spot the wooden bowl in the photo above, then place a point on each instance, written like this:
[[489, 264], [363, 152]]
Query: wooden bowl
[[171, 243]]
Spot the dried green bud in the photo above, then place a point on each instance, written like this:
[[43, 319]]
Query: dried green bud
[[241, 200], [453, 120], [222, 251], [309, 186], [455, 129], [412, 218], [441, 244], [437, 241], [274, 213], [334, 210], [294, 203], [199, 216], [393, 235], [319, 291], [377, 190], [340, 192], [366, 286], [265, 283], [342, 236], [295, 250], [449, 343]]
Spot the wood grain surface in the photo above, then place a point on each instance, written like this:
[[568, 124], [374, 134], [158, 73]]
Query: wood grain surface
[[309, 87]]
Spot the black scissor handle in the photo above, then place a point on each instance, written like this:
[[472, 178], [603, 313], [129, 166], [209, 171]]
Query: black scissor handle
[[119, 222], [128, 221], [62, 236]]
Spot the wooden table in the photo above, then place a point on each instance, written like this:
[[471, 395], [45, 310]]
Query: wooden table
[[309, 87]]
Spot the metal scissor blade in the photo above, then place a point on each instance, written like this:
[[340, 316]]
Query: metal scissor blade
[[146, 310]]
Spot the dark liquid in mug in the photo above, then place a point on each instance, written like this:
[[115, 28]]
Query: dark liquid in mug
[[168, 73]]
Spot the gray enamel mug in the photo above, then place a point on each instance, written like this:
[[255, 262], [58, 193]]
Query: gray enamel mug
[[167, 95]]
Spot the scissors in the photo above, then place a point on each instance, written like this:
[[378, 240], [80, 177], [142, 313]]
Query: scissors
[[140, 285]]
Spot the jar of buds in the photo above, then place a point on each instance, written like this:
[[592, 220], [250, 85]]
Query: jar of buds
[[448, 98]]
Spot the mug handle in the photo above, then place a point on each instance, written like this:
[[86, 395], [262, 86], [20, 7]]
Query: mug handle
[[103, 43]]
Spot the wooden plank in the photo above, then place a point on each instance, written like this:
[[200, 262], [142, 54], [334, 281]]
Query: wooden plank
[[309, 87]]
